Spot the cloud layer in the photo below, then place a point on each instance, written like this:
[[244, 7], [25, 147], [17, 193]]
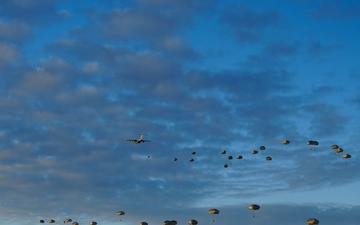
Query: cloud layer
[[79, 79]]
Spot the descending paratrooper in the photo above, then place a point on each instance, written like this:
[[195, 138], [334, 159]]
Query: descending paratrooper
[[254, 207], [213, 212]]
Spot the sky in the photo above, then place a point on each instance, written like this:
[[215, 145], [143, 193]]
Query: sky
[[79, 78]]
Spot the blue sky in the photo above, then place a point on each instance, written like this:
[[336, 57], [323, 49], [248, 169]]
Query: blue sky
[[80, 78]]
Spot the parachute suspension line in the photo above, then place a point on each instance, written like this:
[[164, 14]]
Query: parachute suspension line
[[213, 220]]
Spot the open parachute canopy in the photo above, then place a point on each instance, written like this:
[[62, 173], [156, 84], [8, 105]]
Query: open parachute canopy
[[254, 207], [338, 150], [120, 213], [68, 220], [170, 222], [286, 142], [193, 222], [312, 221], [312, 142], [214, 211]]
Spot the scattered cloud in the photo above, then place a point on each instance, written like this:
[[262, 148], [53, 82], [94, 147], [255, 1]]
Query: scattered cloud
[[103, 73]]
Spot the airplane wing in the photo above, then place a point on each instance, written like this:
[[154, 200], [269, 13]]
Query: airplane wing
[[145, 140]]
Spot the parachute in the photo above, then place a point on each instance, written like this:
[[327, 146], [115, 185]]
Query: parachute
[[143, 223], [254, 152], [313, 142], [239, 157], [193, 153], [120, 213], [286, 142], [226, 165], [93, 223], [51, 221], [254, 207], [175, 159], [230, 157], [170, 222], [214, 211], [223, 152], [312, 221], [338, 150], [75, 223], [193, 222], [346, 156], [268, 158], [67, 220], [41, 221], [262, 148], [334, 146]]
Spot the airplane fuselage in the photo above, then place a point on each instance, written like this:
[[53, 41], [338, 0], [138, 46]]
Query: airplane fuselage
[[138, 141]]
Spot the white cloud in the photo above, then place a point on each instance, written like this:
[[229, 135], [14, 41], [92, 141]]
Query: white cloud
[[66, 115]]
